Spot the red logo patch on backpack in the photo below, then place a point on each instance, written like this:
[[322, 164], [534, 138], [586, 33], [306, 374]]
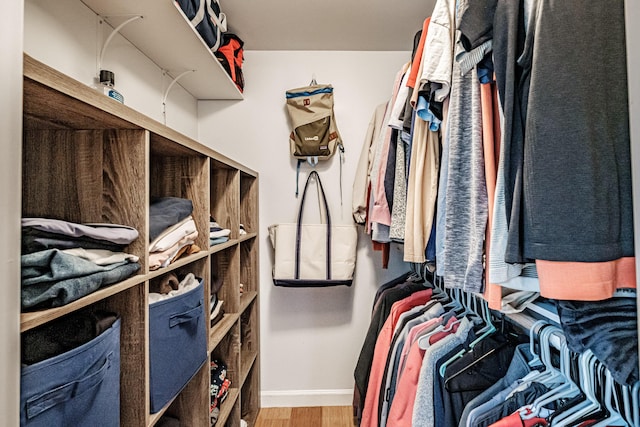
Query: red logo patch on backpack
[[230, 55]]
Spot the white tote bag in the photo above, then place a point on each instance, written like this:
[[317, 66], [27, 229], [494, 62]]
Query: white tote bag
[[313, 255]]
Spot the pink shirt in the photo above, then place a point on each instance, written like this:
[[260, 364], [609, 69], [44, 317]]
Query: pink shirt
[[401, 411], [383, 343]]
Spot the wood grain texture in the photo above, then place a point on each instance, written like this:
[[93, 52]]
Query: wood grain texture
[[134, 354], [249, 265], [248, 329], [225, 199], [250, 397], [226, 265], [327, 416], [229, 409], [87, 176], [191, 406], [249, 202]]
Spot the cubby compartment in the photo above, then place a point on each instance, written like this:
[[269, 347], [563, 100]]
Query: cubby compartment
[[175, 324], [248, 271], [249, 340], [250, 396], [225, 276], [81, 170], [233, 419], [180, 172], [190, 405], [249, 204], [225, 200], [227, 351]]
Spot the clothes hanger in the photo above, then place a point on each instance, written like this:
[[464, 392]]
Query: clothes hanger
[[456, 305], [635, 400], [622, 394], [584, 401], [533, 332], [614, 418], [488, 329], [551, 377], [574, 404], [593, 384], [560, 379]]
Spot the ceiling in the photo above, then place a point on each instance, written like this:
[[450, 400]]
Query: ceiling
[[359, 25]]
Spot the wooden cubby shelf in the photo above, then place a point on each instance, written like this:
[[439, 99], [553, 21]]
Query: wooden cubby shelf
[[89, 159]]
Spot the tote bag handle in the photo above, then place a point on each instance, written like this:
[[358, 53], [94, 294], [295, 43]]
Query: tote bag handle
[[299, 225]]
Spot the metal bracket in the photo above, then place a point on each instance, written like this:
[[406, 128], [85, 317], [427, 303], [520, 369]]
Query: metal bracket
[[166, 92], [113, 33]]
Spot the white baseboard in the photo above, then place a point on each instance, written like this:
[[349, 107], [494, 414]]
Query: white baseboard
[[298, 398]]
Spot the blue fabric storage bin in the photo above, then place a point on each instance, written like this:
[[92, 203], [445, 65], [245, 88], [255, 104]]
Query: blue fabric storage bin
[[80, 387], [177, 344]]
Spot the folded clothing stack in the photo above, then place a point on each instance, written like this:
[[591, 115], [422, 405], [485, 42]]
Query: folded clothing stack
[[172, 231], [64, 261], [217, 234]]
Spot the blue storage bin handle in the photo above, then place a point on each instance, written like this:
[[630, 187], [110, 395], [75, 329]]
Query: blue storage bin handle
[[38, 404], [188, 315]]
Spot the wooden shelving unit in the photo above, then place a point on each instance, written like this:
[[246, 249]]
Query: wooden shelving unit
[[87, 158]]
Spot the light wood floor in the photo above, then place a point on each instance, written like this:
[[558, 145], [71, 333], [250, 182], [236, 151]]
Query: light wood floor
[[321, 416]]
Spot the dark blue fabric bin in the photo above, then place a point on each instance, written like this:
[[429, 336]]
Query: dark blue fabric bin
[[177, 344], [78, 388]]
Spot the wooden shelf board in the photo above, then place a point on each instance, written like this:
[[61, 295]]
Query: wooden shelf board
[[247, 298], [180, 263], [32, 319], [248, 236], [220, 329], [153, 418], [222, 246], [227, 406], [246, 363]]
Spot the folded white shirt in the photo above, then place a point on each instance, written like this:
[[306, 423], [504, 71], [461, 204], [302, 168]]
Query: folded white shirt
[[173, 234]]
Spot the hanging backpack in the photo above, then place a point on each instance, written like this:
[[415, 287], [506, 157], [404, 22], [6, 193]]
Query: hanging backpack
[[231, 57], [315, 134]]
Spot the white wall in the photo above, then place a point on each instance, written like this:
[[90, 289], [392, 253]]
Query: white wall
[[68, 36], [10, 172], [310, 338]]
